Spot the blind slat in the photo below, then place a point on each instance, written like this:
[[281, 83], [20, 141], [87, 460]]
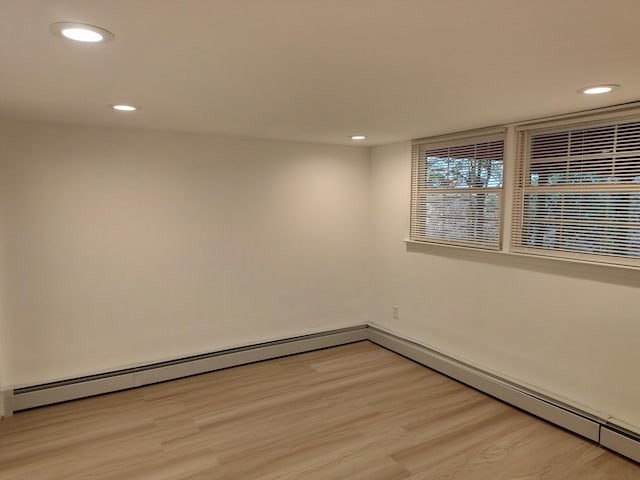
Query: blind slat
[[577, 192], [456, 191]]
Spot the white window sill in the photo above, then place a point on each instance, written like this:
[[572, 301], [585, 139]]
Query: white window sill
[[609, 272]]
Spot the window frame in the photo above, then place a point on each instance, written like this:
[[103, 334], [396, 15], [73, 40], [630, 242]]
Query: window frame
[[419, 148], [522, 164]]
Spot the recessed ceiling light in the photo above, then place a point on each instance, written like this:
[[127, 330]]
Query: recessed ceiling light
[[358, 137], [598, 89], [125, 108], [80, 32]]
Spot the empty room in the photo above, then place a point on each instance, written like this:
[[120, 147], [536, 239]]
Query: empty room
[[319, 239]]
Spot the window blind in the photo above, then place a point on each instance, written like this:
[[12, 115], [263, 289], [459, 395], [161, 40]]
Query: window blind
[[577, 192], [456, 187]]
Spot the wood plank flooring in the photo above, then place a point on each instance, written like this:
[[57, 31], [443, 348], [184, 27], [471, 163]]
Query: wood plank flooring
[[351, 412]]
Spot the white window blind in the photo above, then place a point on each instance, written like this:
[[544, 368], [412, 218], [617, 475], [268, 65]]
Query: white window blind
[[456, 190], [577, 192]]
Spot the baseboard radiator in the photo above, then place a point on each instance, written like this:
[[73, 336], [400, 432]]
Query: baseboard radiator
[[72, 389], [596, 429]]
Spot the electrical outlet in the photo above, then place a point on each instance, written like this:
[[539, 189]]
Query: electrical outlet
[[396, 312]]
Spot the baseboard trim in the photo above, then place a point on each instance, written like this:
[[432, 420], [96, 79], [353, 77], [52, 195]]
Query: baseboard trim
[[617, 439], [50, 393], [596, 429], [6, 397], [581, 423]]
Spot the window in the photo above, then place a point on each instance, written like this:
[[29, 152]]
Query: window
[[577, 191], [456, 189]]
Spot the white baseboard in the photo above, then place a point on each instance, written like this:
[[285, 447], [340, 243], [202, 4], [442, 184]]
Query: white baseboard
[[586, 425], [5, 399], [489, 384], [56, 392], [624, 443]]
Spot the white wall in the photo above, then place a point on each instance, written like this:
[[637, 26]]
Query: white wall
[[3, 360], [565, 329], [3, 229], [126, 247]]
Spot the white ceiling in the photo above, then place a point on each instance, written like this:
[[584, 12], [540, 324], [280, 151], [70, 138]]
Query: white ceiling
[[317, 70]]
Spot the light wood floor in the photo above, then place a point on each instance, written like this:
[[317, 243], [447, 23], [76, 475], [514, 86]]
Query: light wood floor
[[351, 412]]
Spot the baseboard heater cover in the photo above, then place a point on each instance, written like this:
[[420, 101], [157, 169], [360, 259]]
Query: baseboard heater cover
[[597, 429], [593, 428], [87, 386], [621, 441]]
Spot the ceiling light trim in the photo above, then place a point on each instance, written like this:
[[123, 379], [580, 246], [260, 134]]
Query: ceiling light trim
[[125, 107], [59, 29], [599, 89]]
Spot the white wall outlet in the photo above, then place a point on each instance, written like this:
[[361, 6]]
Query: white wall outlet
[[396, 312]]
